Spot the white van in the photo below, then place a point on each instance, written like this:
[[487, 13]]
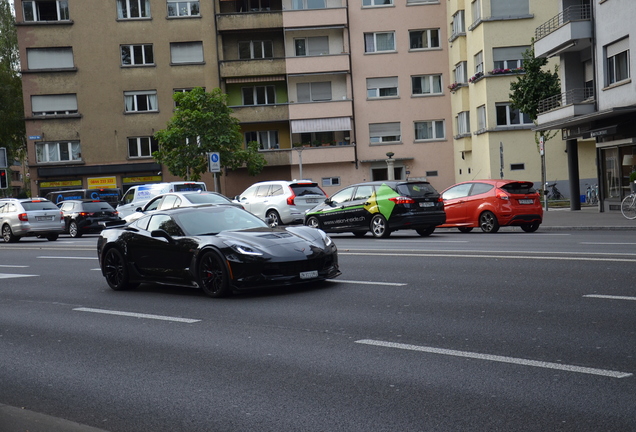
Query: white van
[[135, 197]]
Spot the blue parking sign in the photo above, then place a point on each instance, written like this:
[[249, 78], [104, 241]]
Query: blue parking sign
[[214, 162]]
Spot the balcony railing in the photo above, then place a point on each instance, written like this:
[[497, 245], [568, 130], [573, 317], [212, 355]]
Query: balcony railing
[[570, 97], [573, 13]]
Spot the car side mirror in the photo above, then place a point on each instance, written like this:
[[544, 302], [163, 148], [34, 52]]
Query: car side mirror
[[163, 234]]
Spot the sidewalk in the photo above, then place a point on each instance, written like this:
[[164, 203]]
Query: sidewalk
[[588, 218]]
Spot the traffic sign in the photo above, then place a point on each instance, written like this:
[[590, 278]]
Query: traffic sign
[[214, 162]]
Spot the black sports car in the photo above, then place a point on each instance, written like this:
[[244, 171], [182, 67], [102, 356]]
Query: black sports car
[[219, 248]]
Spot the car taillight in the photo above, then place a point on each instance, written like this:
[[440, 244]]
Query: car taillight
[[23, 217], [402, 200], [115, 213], [86, 214], [502, 195], [290, 199]]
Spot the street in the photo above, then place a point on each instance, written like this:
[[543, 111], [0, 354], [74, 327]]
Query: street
[[453, 332]]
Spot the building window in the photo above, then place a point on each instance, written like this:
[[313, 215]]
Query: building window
[[507, 116], [259, 95], [479, 62], [382, 87], [463, 123], [258, 5], [377, 2], [183, 8], [432, 174], [314, 92], [58, 151], [134, 55], [457, 25], [379, 42], [50, 58], [311, 46], [186, 52], [424, 39], [517, 167], [266, 140], [49, 105], [256, 49], [429, 130], [308, 4], [508, 57], [617, 61], [142, 147], [476, 10], [509, 8], [330, 181], [427, 84], [385, 132], [130, 9], [460, 72], [141, 101], [481, 117], [45, 10]]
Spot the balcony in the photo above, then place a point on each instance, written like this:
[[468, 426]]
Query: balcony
[[332, 14], [318, 64], [317, 110], [569, 31], [247, 68], [575, 102], [261, 113], [249, 21], [310, 155]]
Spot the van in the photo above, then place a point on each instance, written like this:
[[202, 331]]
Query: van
[[137, 196], [111, 196]]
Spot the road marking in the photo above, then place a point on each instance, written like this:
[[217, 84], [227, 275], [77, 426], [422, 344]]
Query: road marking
[[501, 359], [67, 257], [14, 266], [366, 283], [138, 315], [610, 297], [525, 257], [9, 275], [612, 244]]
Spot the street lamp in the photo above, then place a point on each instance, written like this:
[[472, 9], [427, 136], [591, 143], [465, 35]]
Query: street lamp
[[390, 166]]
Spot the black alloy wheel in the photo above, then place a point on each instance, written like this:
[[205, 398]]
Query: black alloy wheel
[[488, 222], [115, 270], [213, 275]]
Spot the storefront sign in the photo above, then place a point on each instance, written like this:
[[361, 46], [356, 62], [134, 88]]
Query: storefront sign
[[61, 184], [145, 179], [101, 182]]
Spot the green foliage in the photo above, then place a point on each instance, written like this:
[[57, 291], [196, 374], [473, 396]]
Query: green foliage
[[632, 177], [203, 123]]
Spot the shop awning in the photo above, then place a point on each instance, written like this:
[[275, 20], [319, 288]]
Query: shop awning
[[321, 125]]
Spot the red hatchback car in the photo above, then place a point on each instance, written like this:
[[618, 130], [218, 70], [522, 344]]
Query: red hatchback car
[[490, 204]]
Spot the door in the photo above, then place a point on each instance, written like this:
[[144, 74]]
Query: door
[[455, 203]]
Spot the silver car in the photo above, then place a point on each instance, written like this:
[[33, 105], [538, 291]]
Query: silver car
[[281, 202], [29, 217]]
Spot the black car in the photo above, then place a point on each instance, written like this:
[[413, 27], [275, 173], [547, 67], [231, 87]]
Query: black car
[[219, 248], [86, 216], [380, 207]]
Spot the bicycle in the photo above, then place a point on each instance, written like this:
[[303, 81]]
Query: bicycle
[[554, 193], [591, 196], [628, 206]]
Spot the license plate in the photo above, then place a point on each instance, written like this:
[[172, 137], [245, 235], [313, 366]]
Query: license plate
[[312, 201], [309, 274], [526, 201], [44, 218], [427, 204]]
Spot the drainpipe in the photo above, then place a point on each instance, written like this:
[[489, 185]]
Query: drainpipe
[[352, 134]]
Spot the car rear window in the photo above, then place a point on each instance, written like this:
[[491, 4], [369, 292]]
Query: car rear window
[[97, 206], [39, 205], [519, 188], [416, 189], [188, 187], [301, 189], [206, 198]]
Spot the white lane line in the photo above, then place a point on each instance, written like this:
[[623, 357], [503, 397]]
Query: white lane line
[[496, 358], [481, 251], [9, 275], [610, 297], [138, 315], [611, 244], [13, 266], [366, 283], [67, 257], [551, 258]]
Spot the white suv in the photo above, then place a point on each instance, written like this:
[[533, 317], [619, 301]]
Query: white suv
[[281, 202]]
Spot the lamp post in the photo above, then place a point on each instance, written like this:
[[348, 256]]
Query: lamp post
[[390, 166], [300, 162]]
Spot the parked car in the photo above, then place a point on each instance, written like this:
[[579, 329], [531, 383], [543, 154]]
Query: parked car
[[29, 217], [86, 216], [181, 199], [219, 248], [490, 204], [281, 202], [380, 207], [137, 196]]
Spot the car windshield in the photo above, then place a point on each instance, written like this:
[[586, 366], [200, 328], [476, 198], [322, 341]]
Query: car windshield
[[416, 189], [39, 205], [213, 220], [97, 206], [207, 199], [301, 189]]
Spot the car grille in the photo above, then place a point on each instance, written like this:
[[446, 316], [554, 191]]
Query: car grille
[[295, 267]]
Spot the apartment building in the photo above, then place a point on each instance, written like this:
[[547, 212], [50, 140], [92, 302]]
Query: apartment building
[[327, 88], [491, 139], [591, 40]]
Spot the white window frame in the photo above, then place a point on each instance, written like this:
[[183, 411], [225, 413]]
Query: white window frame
[[431, 80], [463, 123], [53, 152], [481, 117], [617, 58], [269, 92], [371, 42], [381, 134], [31, 10], [377, 86], [428, 38], [124, 9], [133, 100], [458, 26], [513, 57], [267, 140], [460, 72], [303, 46], [144, 147], [318, 91], [479, 62], [139, 55], [376, 3], [50, 58], [254, 45], [475, 8], [176, 9], [509, 114], [330, 181], [432, 126]]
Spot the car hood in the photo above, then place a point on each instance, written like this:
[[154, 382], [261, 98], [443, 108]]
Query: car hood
[[274, 240]]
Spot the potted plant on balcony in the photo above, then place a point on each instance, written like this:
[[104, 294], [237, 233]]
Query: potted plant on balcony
[[316, 143]]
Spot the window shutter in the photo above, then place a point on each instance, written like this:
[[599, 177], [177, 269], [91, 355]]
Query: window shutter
[[509, 8], [388, 82], [508, 53], [50, 103], [321, 91], [384, 129], [303, 91], [617, 47], [318, 45], [186, 52], [50, 58]]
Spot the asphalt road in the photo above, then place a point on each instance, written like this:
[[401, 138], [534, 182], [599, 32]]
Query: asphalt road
[[455, 332]]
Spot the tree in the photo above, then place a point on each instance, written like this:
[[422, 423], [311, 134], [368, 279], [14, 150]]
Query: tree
[[12, 128], [203, 123]]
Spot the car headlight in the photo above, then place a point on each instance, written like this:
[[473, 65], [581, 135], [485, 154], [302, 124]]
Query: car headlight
[[244, 248], [327, 239]]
